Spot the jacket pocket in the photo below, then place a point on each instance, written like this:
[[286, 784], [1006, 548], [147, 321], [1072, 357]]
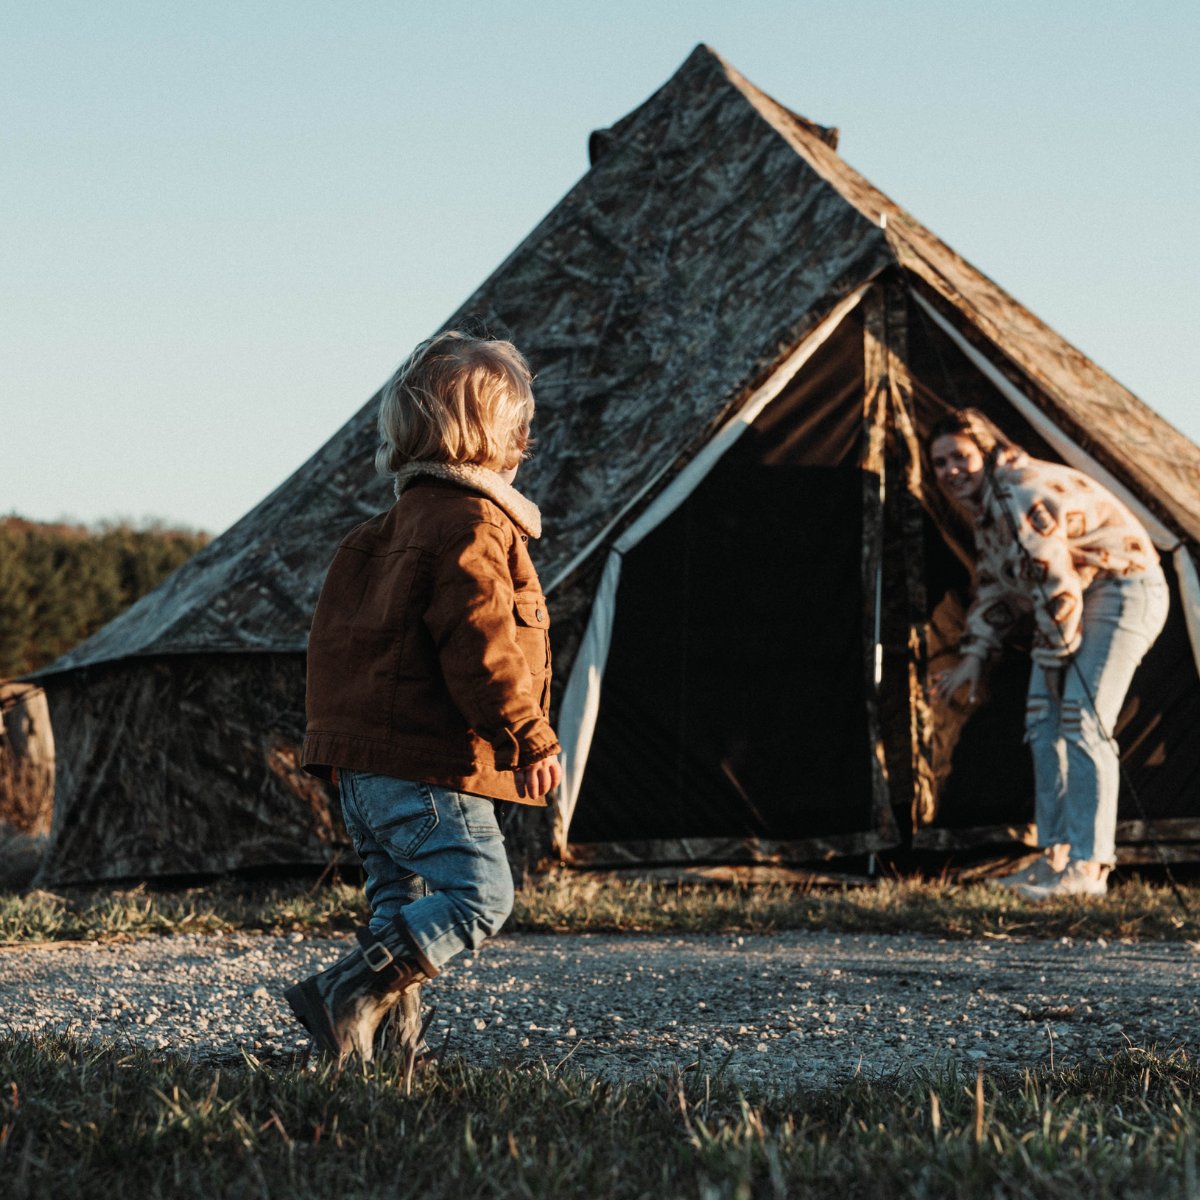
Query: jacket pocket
[[533, 630]]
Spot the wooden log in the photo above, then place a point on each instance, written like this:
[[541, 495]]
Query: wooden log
[[26, 781], [27, 746]]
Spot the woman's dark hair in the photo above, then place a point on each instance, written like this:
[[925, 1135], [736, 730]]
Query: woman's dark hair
[[970, 422]]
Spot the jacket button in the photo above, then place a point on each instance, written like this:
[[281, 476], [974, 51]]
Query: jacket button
[[524, 537], [541, 616]]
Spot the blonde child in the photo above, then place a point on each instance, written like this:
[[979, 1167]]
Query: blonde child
[[429, 681]]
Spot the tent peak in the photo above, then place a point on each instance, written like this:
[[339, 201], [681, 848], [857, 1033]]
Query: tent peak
[[702, 64], [767, 105]]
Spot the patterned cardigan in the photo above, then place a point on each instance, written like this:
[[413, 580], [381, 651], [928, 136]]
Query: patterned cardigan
[[1069, 530]]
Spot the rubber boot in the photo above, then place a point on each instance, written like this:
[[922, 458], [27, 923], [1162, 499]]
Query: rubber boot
[[400, 1031], [342, 1006]]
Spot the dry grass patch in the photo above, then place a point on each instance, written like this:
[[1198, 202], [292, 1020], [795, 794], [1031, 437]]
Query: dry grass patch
[[591, 903], [579, 903]]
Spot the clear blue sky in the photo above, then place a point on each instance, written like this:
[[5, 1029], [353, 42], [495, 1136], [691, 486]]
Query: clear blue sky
[[222, 224]]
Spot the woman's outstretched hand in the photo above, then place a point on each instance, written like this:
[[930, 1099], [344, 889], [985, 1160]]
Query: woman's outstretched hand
[[967, 670], [539, 778]]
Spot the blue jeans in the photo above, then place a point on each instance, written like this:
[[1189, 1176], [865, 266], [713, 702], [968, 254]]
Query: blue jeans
[[432, 854], [1076, 769]]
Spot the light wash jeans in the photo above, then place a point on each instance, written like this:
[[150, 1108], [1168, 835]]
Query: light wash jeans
[[434, 855], [1076, 769]]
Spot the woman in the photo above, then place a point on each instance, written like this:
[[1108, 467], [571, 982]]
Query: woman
[[1051, 541]]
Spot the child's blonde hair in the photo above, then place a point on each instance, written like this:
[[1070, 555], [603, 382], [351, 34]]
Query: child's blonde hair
[[457, 399]]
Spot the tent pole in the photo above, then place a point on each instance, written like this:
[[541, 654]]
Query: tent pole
[[912, 528], [872, 463]]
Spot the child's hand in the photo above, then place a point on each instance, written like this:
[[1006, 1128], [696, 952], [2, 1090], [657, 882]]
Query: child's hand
[[539, 778]]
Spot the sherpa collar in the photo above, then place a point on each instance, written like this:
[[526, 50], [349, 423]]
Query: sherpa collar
[[524, 513]]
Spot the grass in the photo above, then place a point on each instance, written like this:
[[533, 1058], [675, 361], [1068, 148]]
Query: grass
[[85, 1121], [578, 903]]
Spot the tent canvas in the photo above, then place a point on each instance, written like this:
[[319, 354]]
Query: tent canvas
[[719, 272]]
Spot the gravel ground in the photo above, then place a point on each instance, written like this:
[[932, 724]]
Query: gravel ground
[[789, 1007]]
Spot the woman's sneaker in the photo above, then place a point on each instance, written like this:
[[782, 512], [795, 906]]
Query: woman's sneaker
[[1076, 880], [1038, 875]]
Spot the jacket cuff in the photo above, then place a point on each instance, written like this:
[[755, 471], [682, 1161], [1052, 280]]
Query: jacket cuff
[[535, 754], [1051, 658], [521, 747], [1055, 656], [975, 650]]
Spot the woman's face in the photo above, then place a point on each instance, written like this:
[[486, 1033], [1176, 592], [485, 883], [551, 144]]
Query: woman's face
[[958, 466]]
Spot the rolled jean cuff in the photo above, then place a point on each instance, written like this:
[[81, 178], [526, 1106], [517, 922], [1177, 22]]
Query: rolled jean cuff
[[423, 960]]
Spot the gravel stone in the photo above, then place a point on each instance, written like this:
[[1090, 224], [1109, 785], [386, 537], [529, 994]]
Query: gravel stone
[[628, 1006]]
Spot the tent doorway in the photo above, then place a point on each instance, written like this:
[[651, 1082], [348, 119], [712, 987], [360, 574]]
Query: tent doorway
[[732, 719], [733, 689]]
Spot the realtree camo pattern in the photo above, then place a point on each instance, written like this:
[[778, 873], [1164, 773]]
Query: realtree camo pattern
[[180, 765]]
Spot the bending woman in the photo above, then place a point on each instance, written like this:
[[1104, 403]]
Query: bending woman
[[1050, 540]]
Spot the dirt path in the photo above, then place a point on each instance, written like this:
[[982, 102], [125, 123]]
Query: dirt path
[[791, 1006]]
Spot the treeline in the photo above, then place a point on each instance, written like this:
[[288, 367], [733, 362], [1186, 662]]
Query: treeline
[[60, 583]]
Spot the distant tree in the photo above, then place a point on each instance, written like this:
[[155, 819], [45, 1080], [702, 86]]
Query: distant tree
[[60, 583], [16, 603]]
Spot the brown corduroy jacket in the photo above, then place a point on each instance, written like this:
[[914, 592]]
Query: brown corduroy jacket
[[429, 654]]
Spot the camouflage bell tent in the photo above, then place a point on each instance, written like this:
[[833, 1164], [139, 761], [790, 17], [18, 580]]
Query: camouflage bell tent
[[739, 343]]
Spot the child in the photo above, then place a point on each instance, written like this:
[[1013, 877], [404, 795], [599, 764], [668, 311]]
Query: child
[[429, 681]]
